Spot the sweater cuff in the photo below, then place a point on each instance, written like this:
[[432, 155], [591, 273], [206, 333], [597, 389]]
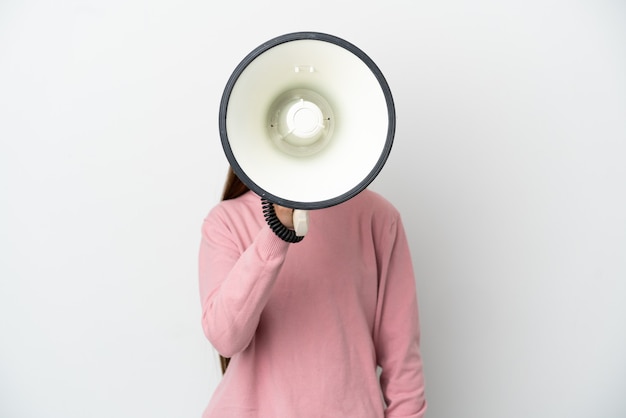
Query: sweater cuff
[[271, 245]]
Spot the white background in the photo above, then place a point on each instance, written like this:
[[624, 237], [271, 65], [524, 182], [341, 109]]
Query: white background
[[508, 168]]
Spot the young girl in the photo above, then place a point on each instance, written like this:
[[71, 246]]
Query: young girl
[[306, 325]]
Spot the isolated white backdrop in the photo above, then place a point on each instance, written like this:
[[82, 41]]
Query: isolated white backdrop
[[508, 168]]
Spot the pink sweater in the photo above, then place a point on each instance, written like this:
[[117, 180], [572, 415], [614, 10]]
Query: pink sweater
[[307, 324]]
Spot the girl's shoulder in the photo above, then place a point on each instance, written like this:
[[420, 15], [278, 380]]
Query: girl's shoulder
[[243, 206], [374, 202]]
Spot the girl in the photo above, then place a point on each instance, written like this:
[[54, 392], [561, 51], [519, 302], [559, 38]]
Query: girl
[[308, 325]]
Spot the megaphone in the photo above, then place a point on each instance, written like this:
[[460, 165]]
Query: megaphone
[[307, 120]]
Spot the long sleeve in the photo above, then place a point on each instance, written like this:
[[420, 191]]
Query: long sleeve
[[238, 265], [397, 333]]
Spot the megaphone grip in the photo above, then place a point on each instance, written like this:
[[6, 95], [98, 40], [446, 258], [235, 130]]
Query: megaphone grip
[[276, 225]]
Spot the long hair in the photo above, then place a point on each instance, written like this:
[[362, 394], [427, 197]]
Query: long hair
[[233, 188]]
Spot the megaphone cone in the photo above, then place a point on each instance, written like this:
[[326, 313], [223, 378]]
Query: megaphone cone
[[307, 120]]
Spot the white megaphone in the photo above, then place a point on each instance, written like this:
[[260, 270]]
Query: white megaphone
[[307, 121]]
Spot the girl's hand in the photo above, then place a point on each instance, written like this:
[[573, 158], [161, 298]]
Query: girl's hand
[[285, 215]]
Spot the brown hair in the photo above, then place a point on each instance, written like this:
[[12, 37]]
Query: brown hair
[[233, 188]]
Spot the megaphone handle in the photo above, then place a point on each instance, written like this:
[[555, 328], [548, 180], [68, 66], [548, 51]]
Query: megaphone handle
[[276, 225], [301, 222]]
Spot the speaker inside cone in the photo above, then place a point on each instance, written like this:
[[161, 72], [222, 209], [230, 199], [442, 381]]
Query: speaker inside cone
[[307, 120], [300, 122]]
